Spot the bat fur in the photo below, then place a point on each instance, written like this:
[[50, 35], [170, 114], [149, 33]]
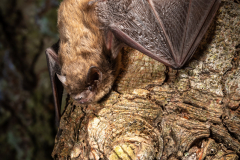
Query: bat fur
[[82, 46]]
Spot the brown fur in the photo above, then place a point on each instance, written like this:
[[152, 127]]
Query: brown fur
[[82, 46]]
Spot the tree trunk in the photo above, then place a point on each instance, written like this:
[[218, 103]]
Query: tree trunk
[[192, 113]]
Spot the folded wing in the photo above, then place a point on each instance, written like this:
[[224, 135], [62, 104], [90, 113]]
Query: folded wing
[[57, 88], [166, 30]]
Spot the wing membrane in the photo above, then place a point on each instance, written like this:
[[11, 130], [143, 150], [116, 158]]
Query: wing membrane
[[189, 51], [57, 88], [173, 15], [133, 22], [166, 30]]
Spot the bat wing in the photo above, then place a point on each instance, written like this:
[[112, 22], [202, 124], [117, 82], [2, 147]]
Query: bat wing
[[57, 88], [167, 30]]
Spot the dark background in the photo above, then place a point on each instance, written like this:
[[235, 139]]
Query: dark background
[[27, 127]]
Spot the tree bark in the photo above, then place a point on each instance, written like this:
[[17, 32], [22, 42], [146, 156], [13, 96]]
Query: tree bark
[[194, 116]]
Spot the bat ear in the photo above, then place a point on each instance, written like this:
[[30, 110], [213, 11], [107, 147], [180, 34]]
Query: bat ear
[[94, 74], [62, 79], [113, 45]]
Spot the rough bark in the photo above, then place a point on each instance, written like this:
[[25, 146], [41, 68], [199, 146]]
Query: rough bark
[[195, 116]]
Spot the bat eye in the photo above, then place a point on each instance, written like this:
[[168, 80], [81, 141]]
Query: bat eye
[[90, 88]]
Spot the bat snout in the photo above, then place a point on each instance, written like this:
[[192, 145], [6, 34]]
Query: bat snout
[[80, 97], [83, 97], [77, 99]]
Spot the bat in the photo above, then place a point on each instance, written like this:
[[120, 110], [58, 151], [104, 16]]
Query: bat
[[92, 33]]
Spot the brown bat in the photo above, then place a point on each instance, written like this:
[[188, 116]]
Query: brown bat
[[92, 33]]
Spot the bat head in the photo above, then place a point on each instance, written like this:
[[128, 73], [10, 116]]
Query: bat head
[[89, 90]]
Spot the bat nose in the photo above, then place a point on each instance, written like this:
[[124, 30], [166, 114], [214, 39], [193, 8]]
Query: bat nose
[[78, 97]]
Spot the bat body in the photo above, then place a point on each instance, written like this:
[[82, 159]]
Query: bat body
[[87, 66], [81, 61], [93, 32]]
